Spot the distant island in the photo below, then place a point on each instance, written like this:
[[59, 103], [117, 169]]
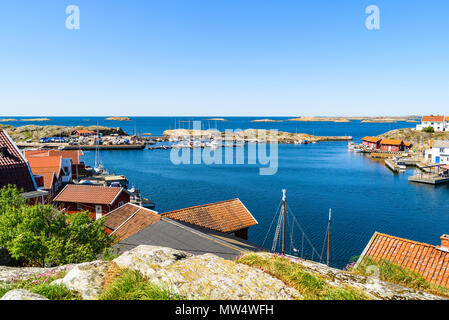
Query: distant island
[[36, 119], [7, 120], [119, 118], [217, 119], [362, 119], [266, 120], [326, 119], [280, 136]]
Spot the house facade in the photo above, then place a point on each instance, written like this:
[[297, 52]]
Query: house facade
[[371, 142], [438, 153], [438, 123], [392, 145], [97, 200]]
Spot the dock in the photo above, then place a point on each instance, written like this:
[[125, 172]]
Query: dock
[[390, 164], [429, 179]]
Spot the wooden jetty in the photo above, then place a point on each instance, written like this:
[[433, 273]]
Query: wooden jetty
[[429, 179], [390, 164], [434, 174]]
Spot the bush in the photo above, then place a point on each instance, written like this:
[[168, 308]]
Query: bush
[[428, 129], [43, 236]]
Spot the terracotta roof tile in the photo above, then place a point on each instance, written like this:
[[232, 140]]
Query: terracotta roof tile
[[224, 216], [88, 194], [428, 260], [394, 142], [66, 154], [432, 119], [14, 168], [130, 219], [371, 139]]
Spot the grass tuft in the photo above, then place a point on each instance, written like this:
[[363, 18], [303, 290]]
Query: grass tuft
[[311, 286], [131, 285]]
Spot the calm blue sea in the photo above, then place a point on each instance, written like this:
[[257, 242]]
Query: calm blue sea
[[364, 195]]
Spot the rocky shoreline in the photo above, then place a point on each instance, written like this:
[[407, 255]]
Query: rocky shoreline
[[249, 134], [195, 277], [34, 132]]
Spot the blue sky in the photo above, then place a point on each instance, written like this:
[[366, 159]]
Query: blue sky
[[223, 57]]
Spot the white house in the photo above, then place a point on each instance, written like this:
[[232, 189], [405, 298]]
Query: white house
[[438, 153], [438, 123]]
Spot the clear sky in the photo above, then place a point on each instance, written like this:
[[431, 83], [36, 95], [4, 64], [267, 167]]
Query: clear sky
[[224, 57]]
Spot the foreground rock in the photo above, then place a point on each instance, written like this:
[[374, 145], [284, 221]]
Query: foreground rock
[[374, 288], [149, 259], [86, 279], [21, 294], [211, 277], [205, 277], [11, 274]]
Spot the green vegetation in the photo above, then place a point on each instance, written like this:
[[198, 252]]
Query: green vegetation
[[41, 284], [131, 285], [40, 235], [428, 129], [311, 286], [394, 273]]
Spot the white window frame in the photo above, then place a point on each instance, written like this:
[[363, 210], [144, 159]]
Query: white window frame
[[98, 212]]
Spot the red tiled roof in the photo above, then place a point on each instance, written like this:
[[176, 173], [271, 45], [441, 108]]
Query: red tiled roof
[[428, 260], [41, 165], [130, 219], [432, 119], [14, 168], [66, 154], [371, 139], [393, 142], [224, 216], [49, 176], [88, 194]]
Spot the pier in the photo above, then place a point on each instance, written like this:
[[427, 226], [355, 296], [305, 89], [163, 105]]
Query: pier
[[433, 174], [428, 179]]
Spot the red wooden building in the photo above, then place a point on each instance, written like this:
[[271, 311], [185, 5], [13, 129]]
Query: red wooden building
[[392, 145], [98, 200], [371, 142]]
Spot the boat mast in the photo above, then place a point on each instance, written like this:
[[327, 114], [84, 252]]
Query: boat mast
[[328, 236], [283, 220]]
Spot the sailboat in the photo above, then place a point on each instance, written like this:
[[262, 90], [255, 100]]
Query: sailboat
[[98, 167], [280, 233]]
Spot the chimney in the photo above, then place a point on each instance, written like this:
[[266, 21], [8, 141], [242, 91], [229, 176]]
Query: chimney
[[445, 241], [3, 151]]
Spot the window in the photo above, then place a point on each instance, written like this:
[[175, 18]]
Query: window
[[441, 150], [98, 212], [79, 206], [121, 203]]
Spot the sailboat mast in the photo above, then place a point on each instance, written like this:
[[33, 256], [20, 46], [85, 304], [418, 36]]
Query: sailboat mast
[[283, 221], [328, 236]]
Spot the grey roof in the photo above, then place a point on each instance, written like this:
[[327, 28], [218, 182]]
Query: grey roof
[[172, 234], [440, 144]]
